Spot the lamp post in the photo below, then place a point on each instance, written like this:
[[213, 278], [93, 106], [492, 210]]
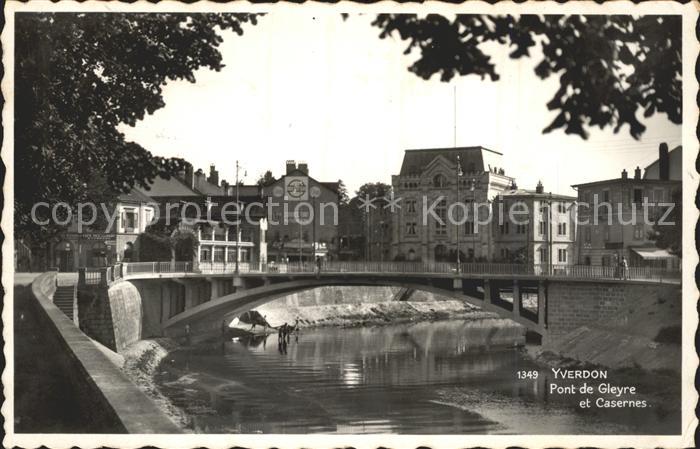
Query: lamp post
[[459, 174], [238, 219], [472, 186]]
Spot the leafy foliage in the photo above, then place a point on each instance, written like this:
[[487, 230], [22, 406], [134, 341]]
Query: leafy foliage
[[77, 77], [343, 197], [609, 67], [266, 179], [165, 243], [373, 190]]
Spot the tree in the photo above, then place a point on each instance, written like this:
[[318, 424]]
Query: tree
[[266, 179], [343, 197], [166, 243], [373, 190], [669, 234], [79, 76], [609, 67]]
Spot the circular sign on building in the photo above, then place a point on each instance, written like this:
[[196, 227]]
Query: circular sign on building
[[296, 188]]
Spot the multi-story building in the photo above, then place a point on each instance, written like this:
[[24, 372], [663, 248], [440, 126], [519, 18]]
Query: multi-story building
[[302, 216], [429, 183], [211, 217], [534, 227], [617, 216], [105, 242]]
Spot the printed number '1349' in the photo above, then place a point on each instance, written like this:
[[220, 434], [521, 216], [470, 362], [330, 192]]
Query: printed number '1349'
[[528, 374]]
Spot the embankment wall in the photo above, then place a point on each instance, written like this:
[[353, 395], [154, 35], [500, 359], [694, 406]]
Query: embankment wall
[[110, 402]]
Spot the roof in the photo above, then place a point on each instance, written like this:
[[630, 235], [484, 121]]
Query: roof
[[656, 162], [414, 161], [207, 188], [135, 195], [653, 253], [625, 180], [333, 186], [534, 194], [171, 187]]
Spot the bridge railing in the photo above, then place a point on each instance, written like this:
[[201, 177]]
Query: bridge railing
[[125, 270]]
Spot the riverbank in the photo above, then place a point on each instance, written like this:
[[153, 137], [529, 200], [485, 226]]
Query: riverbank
[[361, 312], [141, 361], [641, 347]]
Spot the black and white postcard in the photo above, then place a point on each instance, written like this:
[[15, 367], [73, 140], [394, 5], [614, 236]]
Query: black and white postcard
[[386, 225]]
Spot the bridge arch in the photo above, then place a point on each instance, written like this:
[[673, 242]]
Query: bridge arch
[[207, 317]]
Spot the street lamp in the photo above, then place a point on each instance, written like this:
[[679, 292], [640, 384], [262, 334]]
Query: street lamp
[[472, 186], [238, 218], [459, 174]]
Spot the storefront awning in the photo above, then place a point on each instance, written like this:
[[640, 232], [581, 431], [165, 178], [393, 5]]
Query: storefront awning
[[650, 253]]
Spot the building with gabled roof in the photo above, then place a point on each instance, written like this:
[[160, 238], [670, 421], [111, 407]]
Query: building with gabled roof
[[433, 174]]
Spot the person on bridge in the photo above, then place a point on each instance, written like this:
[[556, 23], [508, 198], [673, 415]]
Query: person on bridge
[[625, 269], [318, 265]]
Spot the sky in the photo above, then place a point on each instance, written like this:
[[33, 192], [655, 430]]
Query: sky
[[331, 93]]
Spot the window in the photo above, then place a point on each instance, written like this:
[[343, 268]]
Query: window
[[219, 233], [520, 229], [561, 208], [638, 194], [231, 255], [561, 253], [561, 228], [505, 253], [130, 220], [606, 196], [543, 255], [606, 233], [411, 228], [469, 227], [638, 232], [658, 195], [587, 234], [543, 228], [411, 206], [439, 181], [204, 254], [218, 254], [505, 228], [207, 233], [441, 222]]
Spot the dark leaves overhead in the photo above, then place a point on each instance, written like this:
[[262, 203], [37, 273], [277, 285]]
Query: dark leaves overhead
[[610, 68], [78, 76]]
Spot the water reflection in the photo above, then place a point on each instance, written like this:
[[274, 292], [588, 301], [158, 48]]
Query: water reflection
[[433, 377]]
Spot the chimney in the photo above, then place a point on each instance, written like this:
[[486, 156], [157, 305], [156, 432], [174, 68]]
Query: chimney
[[638, 173], [199, 178], [304, 168], [213, 175], [189, 175], [224, 186], [291, 166], [664, 165], [539, 188], [513, 185], [624, 174]]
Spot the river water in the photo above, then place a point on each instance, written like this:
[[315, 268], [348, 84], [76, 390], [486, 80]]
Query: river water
[[443, 377]]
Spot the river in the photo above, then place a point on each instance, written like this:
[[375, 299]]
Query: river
[[441, 377]]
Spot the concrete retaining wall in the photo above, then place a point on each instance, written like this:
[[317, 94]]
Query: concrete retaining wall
[[114, 316], [111, 403]]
